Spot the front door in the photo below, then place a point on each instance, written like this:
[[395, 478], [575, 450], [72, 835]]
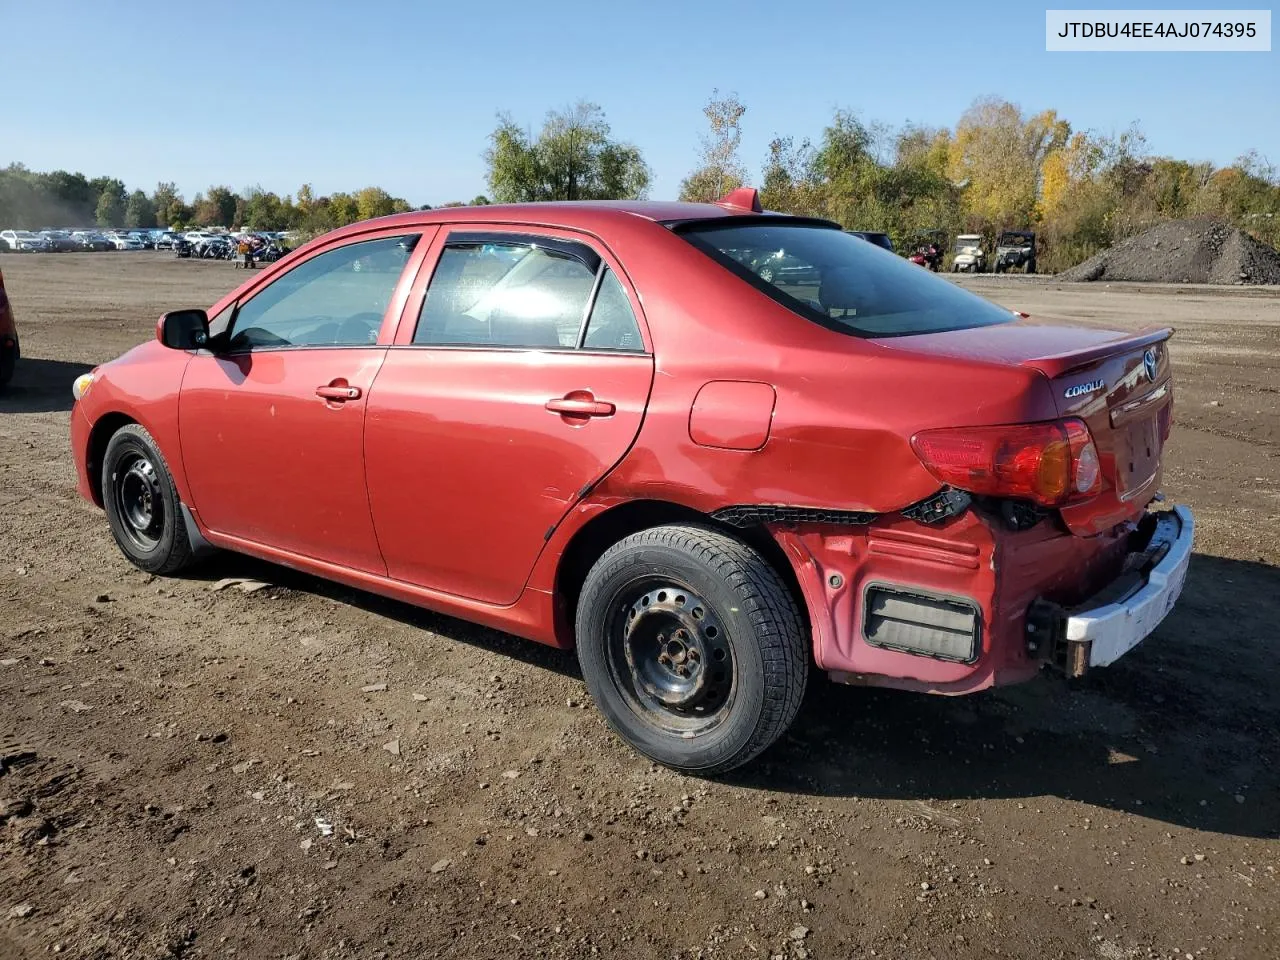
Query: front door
[[272, 422], [522, 382]]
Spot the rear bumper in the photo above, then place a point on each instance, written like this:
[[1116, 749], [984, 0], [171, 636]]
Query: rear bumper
[[1104, 628], [967, 604]]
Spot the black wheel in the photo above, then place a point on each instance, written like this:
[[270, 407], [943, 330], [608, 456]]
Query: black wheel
[[692, 646], [1031, 266], [142, 503]]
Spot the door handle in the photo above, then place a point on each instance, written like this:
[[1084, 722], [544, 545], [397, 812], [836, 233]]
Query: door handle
[[574, 407], [338, 394]]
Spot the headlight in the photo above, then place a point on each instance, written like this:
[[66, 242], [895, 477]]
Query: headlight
[[80, 386]]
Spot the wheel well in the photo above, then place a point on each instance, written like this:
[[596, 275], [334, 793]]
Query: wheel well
[[99, 437], [603, 531]]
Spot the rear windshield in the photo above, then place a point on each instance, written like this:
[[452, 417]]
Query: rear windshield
[[841, 281]]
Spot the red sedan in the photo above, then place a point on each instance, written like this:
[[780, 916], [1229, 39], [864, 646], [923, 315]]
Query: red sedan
[[704, 445]]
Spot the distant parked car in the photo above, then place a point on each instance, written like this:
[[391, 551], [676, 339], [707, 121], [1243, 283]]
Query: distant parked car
[[60, 241], [182, 247], [23, 241], [143, 237], [164, 241], [879, 239], [125, 242], [90, 240]]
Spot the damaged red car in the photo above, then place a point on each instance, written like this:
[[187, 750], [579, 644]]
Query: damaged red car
[[604, 426]]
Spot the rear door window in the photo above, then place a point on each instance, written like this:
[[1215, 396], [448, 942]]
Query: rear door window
[[612, 324], [508, 292]]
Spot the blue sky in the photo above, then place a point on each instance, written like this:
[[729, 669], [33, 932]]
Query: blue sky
[[404, 94]]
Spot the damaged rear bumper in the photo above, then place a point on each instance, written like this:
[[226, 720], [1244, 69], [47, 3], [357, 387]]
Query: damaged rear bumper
[[1108, 625]]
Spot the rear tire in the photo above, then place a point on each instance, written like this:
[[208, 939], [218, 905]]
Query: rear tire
[[142, 503], [692, 647]]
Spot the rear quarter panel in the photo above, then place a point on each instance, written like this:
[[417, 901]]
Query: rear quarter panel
[[846, 407]]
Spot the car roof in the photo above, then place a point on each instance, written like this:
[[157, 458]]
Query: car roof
[[583, 214]]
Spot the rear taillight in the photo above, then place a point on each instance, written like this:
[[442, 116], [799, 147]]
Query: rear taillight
[[1051, 464]]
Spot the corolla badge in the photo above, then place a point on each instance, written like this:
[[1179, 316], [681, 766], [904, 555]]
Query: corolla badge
[[1149, 364], [1080, 389]]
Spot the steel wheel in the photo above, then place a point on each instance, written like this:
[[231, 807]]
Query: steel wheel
[[670, 654], [139, 501]]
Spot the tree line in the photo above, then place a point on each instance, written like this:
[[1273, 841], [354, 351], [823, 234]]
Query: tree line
[[999, 168], [31, 201]]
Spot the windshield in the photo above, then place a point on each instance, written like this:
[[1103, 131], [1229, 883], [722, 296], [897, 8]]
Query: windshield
[[1014, 240], [841, 281], [968, 243]]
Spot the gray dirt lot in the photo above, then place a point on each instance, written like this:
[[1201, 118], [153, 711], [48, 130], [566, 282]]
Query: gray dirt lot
[[169, 750]]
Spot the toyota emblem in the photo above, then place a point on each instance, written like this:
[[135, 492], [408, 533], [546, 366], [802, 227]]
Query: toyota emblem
[[1149, 364]]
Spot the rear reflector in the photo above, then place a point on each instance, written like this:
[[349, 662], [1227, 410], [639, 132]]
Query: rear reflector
[[899, 618]]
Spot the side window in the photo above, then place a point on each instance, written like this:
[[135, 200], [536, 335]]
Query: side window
[[613, 323], [509, 294], [336, 299]]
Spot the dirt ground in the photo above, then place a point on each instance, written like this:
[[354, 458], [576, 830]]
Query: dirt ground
[[306, 771]]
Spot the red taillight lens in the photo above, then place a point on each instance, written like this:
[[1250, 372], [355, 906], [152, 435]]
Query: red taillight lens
[[1048, 463]]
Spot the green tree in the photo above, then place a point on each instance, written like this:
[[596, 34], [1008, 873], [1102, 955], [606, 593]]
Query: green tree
[[480, 200], [162, 198], [721, 168], [343, 209], [110, 201], [374, 202], [139, 211], [110, 211], [573, 158], [69, 195]]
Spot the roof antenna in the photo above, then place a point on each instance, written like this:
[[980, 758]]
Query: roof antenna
[[744, 198]]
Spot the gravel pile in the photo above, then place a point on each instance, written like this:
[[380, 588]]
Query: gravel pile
[[1184, 251]]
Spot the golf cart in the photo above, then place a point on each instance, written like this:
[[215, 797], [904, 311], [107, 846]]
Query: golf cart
[[968, 254], [1015, 248]]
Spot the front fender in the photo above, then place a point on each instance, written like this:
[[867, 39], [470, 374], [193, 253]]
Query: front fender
[[143, 386]]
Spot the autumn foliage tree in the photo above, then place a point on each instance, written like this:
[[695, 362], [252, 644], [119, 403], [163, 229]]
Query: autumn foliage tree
[[721, 169]]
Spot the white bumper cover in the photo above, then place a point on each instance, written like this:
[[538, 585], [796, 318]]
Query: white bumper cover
[[1114, 629]]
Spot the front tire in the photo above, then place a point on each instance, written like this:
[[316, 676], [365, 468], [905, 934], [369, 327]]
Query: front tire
[[142, 503], [692, 647]]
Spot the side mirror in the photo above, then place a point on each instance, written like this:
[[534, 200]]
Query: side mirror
[[183, 329]]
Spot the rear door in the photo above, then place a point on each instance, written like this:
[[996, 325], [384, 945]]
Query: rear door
[[519, 381]]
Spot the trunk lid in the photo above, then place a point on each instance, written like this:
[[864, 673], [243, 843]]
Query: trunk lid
[[1118, 383]]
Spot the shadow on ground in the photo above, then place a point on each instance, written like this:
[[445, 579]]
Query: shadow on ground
[[1181, 730], [220, 565], [41, 386]]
